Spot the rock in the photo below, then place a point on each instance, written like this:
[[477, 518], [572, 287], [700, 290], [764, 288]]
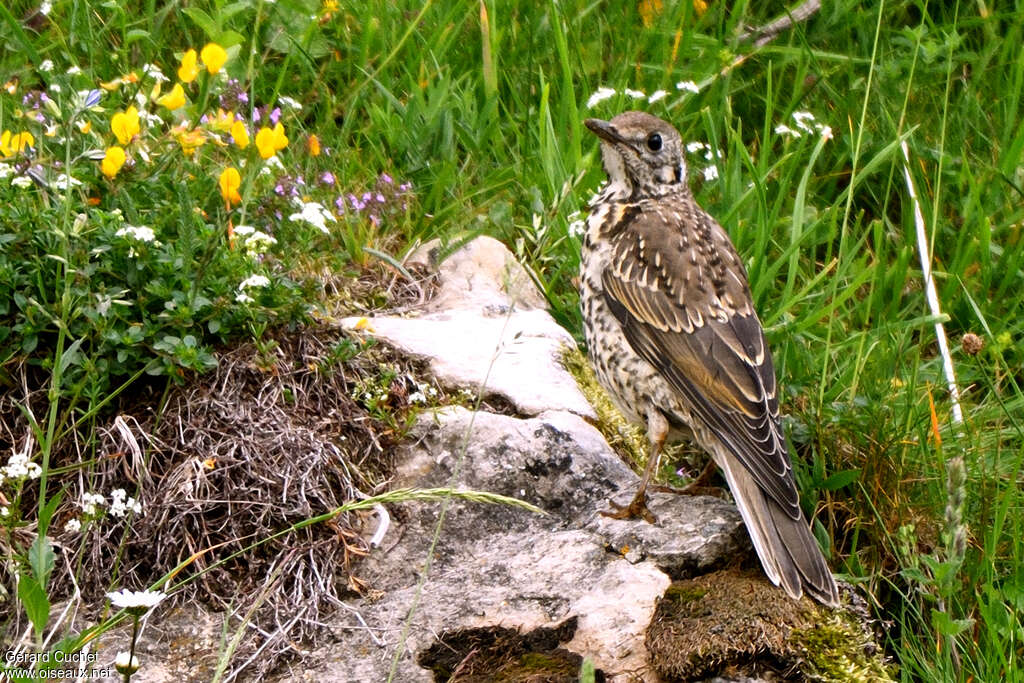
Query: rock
[[502, 567], [488, 327]]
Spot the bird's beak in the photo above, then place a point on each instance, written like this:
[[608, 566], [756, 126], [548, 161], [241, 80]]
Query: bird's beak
[[604, 130]]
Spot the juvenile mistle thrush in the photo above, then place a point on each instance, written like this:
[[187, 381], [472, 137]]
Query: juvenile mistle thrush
[[674, 338]]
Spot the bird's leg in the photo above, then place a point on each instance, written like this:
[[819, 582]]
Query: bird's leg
[[701, 486], [657, 432]]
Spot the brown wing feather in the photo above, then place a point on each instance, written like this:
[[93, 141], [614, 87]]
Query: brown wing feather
[[688, 312]]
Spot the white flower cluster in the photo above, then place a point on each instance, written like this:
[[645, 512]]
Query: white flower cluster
[[140, 233], [423, 393], [254, 280], [805, 123], [93, 503], [121, 504], [255, 242], [19, 467], [313, 213], [603, 93], [710, 154], [577, 226]]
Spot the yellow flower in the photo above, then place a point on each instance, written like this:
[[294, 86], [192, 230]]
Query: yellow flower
[[230, 180], [223, 121], [270, 141], [175, 99], [84, 126], [280, 141], [113, 160], [213, 56], [240, 134], [14, 144], [313, 143], [188, 70], [125, 125], [190, 140]]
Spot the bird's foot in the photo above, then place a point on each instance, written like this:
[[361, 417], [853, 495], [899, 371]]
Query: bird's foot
[[637, 508], [692, 489]]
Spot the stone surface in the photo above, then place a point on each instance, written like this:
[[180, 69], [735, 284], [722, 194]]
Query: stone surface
[[488, 327], [501, 566]]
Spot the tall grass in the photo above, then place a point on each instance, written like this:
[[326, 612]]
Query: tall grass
[[480, 105]]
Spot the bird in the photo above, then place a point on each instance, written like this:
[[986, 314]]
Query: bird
[[671, 331]]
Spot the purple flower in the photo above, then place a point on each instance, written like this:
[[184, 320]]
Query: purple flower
[[386, 178], [405, 187], [275, 115], [339, 204], [327, 178]]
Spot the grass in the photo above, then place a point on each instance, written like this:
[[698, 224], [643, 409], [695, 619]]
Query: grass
[[480, 106]]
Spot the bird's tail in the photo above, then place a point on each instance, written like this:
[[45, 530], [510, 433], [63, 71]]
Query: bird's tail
[[788, 551]]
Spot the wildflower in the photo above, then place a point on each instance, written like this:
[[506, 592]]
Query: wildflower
[[290, 103], [46, 65], [133, 601], [121, 503], [190, 140], [327, 178], [254, 241], [73, 525], [635, 94], [45, 7], [22, 181], [689, 86], [233, 96], [240, 134], [230, 180], [253, 281], [125, 125], [313, 144], [154, 72], [141, 233], [126, 663], [214, 57], [113, 160], [4, 511], [15, 144], [269, 141], [313, 213], [711, 173], [783, 129], [188, 70], [222, 120], [803, 119], [175, 99], [657, 95], [91, 503], [601, 95]]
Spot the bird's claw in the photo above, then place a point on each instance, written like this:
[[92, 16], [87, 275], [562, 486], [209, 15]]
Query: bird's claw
[[637, 509]]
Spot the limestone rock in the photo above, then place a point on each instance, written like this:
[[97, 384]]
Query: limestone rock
[[488, 327]]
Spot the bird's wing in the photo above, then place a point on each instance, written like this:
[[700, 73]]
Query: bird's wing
[[680, 293]]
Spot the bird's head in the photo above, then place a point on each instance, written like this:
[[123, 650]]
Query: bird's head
[[643, 155]]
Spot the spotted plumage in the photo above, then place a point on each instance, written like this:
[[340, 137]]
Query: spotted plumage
[[673, 335]]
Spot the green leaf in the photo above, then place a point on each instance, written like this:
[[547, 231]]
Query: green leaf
[[840, 480], [35, 601], [203, 21], [70, 356], [47, 512], [41, 559], [947, 626]]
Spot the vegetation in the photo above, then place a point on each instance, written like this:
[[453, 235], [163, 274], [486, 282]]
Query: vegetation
[[143, 226]]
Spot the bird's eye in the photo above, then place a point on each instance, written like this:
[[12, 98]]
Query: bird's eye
[[654, 142]]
